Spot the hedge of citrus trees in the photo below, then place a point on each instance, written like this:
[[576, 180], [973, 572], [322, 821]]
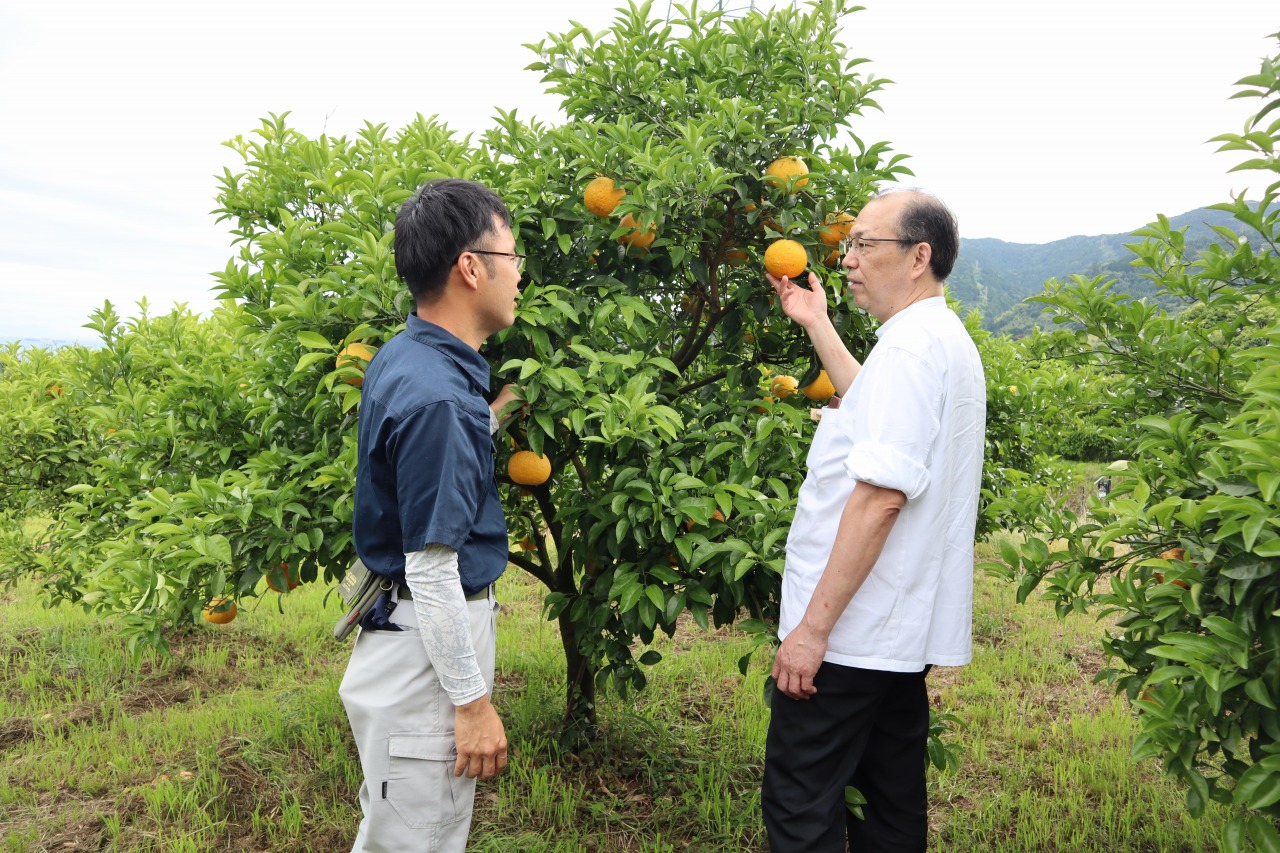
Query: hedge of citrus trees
[[188, 459], [1185, 553]]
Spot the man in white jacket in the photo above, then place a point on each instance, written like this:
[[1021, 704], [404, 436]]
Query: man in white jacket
[[878, 584]]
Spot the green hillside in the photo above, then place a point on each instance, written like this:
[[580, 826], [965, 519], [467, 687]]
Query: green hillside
[[995, 277]]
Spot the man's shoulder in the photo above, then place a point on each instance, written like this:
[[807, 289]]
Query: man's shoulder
[[418, 379], [927, 333]]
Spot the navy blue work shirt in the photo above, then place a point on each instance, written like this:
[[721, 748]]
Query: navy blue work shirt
[[424, 469]]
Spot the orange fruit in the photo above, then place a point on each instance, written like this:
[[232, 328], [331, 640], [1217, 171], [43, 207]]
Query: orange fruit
[[785, 258], [528, 468], [715, 516], [837, 228], [290, 581], [220, 611], [784, 386], [1174, 554], [733, 255], [601, 196], [637, 237], [357, 356], [780, 171], [54, 390], [820, 388]]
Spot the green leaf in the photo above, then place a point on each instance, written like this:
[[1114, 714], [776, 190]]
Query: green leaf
[[310, 358], [1264, 835], [313, 340], [219, 548]]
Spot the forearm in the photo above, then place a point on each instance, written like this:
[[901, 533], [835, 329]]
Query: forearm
[[836, 359], [443, 622], [867, 519]]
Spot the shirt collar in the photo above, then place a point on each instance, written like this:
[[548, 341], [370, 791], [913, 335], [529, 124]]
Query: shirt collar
[[468, 360], [933, 301]]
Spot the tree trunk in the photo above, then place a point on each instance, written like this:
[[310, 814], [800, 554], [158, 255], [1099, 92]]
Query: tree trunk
[[579, 725]]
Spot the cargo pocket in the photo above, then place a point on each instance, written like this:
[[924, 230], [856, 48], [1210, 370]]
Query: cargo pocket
[[420, 784]]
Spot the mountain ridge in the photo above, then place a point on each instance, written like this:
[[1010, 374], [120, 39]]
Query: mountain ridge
[[995, 276]]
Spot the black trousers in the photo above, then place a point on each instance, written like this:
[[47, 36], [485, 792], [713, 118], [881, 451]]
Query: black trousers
[[864, 728]]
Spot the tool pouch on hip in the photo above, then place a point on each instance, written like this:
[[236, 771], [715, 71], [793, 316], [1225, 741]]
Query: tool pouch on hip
[[359, 589]]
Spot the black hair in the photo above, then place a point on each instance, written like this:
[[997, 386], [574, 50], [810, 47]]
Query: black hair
[[925, 219], [439, 222]]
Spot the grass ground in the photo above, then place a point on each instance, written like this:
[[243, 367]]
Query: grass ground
[[239, 742]]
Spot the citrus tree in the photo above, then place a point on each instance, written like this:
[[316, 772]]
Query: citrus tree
[[667, 402], [1185, 553]]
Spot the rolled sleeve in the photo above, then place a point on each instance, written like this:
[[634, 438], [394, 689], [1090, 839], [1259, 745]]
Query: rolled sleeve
[[896, 418]]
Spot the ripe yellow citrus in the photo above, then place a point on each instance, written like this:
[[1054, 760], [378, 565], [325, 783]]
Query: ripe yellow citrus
[[528, 468], [760, 410], [355, 355], [836, 228], [783, 386], [785, 257], [54, 390], [601, 196], [220, 611], [820, 388], [785, 168], [636, 237]]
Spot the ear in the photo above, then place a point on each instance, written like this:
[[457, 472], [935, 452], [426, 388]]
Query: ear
[[468, 270], [922, 255]]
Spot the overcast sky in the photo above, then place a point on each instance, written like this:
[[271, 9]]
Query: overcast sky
[[1034, 121]]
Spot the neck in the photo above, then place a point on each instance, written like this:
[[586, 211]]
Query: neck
[[926, 291], [456, 323]]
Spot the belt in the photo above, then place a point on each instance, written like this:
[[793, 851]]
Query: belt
[[481, 595]]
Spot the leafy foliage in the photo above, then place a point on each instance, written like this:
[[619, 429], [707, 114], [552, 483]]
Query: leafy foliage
[[1186, 551], [674, 472]]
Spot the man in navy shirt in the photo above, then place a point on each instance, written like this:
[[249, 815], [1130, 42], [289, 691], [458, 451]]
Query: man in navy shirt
[[428, 518]]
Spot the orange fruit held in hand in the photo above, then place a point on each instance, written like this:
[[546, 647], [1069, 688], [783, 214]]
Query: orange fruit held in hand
[[528, 468], [220, 611], [601, 196], [785, 258], [355, 355]]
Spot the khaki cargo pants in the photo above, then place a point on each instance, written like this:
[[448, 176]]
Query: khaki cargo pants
[[403, 726]]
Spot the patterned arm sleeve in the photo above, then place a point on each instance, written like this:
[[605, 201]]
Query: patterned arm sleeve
[[432, 576]]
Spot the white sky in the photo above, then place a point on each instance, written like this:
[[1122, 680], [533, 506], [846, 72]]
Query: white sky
[[1034, 121]]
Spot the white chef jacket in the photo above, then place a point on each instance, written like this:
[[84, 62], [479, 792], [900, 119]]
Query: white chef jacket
[[914, 420]]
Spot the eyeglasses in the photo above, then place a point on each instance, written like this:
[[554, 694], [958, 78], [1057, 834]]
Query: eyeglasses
[[518, 258], [860, 245]]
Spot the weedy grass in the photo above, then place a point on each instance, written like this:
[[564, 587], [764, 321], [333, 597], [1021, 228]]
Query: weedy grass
[[239, 742]]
